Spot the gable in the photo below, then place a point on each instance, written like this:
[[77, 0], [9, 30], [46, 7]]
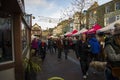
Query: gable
[[36, 27]]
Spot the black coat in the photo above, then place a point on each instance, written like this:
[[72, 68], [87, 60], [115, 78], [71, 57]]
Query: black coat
[[83, 49]]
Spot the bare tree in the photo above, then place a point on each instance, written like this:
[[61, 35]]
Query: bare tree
[[80, 6], [67, 13]]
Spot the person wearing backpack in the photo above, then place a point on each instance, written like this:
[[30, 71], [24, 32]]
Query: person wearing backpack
[[95, 47], [112, 49]]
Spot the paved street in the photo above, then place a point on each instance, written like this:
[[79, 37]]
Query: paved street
[[68, 69]]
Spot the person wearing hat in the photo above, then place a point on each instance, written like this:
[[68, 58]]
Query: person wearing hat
[[112, 50]]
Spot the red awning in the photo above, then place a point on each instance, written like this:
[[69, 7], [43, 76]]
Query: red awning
[[69, 34], [74, 31], [94, 29]]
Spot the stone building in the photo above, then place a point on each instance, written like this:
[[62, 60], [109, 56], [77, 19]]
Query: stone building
[[103, 14], [92, 15], [109, 12], [36, 31]]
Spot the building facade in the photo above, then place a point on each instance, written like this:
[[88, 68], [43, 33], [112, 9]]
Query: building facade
[[36, 30], [112, 12], [15, 28], [103, 14], [76, 22], [92, 15]]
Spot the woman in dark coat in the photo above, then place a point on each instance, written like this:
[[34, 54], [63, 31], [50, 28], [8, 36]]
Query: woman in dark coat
[[83, 54]]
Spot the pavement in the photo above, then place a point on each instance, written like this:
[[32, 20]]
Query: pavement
[[67, 69]]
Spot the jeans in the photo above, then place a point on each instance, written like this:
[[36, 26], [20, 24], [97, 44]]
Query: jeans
[[66, 52], [84, 66], [59, 53]]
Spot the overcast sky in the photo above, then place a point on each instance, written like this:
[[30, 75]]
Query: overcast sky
[[49, 8]]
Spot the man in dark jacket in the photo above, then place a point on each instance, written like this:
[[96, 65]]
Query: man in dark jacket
[[66, 46], [59, 44]]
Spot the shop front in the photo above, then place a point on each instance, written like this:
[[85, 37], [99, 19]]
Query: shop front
[[14, 39]]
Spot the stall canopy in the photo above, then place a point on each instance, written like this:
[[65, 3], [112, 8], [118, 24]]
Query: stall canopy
[[109, 27], [74, 31], [94, 29], [83, 30], [68, 34]]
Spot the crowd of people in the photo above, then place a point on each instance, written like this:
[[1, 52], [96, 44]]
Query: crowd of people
[[87, 47]]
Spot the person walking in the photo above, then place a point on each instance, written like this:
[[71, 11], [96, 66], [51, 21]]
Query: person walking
[[59, 44], [34, 45], [83, 54], [39, 47], [77, 46], [43, 50], [50, 45], [95, 47], [112, 50], [66, 46]]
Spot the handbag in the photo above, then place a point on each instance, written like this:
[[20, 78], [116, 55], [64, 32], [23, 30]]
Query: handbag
[[116, 71]]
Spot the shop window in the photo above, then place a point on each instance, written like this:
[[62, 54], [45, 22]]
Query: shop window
[[117, 6], [24, 36], [5, 40]]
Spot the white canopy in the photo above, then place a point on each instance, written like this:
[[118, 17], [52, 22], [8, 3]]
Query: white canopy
[[109, 27], [81, 31], [67, 33]]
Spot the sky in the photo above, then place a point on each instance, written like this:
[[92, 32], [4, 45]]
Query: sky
[[44, 9]]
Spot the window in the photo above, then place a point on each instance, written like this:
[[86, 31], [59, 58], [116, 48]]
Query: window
[[117, 6], [6, 39], [107, 9], [117, 17], [90, 14], [112, 19], [24, 36], [28, 19]]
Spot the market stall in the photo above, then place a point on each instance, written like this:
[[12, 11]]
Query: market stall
[[94, 29], [81, 31], [109, 27]]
